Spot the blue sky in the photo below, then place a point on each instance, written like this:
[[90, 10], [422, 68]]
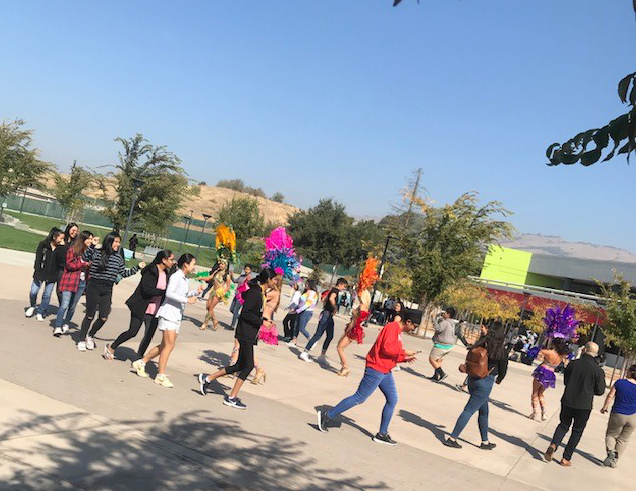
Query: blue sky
[[339, 99]]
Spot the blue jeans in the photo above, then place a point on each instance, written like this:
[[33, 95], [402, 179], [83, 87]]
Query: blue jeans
[[480, 389], [324, 324], [46, 296], [372, 380], [67, 305], [301, 323]]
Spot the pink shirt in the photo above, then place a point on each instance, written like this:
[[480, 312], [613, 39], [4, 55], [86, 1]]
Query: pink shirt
[[153, 306]]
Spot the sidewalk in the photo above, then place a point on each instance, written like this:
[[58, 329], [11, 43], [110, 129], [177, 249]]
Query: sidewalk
[[74, 418]]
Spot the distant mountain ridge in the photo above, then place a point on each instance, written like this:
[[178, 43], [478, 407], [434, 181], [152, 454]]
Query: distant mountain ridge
[[556, 246]]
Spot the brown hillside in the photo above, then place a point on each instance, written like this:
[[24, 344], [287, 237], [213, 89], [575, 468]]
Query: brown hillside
[[211, 200]]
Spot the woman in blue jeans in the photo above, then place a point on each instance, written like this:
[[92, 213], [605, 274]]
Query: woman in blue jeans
[[305, 310], [480, 388]]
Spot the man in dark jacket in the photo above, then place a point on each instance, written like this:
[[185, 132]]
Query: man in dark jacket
[[584, 379]]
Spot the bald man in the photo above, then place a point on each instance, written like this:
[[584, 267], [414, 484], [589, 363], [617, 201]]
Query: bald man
[[584, 379]]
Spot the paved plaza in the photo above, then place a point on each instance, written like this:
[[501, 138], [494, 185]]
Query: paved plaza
[[71, 420]]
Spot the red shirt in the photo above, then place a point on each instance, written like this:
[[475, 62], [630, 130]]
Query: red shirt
[[387, 350]]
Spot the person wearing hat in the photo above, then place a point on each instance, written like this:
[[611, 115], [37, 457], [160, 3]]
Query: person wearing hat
[[385, 354]]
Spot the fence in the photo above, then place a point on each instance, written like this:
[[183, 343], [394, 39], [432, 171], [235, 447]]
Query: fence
[[91, 216]]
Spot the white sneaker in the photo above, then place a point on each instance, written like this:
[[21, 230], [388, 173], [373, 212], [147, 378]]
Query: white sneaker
[[81, 346], [291, 344], [90, 343], [65, 328], [39, 317], [164, 381], [29, 312], [140, 368], [304, 356], [57, 332]]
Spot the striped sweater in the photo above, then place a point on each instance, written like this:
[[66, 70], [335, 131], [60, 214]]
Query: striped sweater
[[114, 268]]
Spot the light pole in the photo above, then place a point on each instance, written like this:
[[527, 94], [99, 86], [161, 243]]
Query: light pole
[[188, 221], [137, 183], [205, 220]]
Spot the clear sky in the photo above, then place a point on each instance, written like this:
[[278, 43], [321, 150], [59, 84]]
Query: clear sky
[[342, 99]]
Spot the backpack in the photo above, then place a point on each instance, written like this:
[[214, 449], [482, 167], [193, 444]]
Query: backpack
[[476, 364], [323, 295]]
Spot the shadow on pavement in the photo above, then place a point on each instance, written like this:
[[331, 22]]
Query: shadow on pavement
[[192, 451], [517, 442], [437, 430], [215, 358], [585, 455], [507, 407], [342, 419]]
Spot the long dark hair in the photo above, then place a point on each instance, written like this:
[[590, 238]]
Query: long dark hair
[[67, 235], [265, 275], [560, 346], [53, 234], [495, 341], [107, 250], [161, 255], [78, 245]]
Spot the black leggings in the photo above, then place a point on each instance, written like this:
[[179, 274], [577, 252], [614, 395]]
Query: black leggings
[[289, 322], [99, 296], [245, 363], [150, 327]]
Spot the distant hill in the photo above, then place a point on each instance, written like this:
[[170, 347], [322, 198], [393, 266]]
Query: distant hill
[[556, 246]]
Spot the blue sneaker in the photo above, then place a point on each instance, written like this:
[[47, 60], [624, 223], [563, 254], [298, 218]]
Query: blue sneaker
[[234, 402]]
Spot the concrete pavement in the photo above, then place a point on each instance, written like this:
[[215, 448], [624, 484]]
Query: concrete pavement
[[71, 420]]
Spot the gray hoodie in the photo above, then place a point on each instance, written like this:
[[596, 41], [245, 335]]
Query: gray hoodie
[[445, 331]]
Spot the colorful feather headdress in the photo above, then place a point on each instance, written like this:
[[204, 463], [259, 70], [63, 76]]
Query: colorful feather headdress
[[225, 243], [280, 254], [560, 323], [369, 275]]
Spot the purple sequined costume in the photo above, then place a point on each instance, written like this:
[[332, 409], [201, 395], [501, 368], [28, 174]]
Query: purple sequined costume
[[545, 377]]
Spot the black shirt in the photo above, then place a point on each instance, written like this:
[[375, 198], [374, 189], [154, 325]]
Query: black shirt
[[328, 306], [251, 318], [584, 379]]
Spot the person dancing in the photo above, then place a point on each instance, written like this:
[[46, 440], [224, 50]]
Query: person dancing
[[304, 311], [543, 377], [289, 322], [221, 282], [354, 330], [384, 355], [170, 314], [106, 265], [249, 324], [73, 281], [144, 303]]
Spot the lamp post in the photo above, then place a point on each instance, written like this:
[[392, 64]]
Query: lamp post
[[137, 183], [206, 217], [188, 221]]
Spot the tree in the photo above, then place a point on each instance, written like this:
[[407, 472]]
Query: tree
[[620, 313], [245, 217], [163, 185], [19, 165], [68, 190], [325, 234], [621, 131], [396, 281], [446, 244], [278, 197]]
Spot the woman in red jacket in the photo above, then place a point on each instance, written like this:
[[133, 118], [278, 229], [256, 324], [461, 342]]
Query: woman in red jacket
[[385, 354]]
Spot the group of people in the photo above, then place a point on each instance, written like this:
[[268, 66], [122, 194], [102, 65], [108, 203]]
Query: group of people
[[74, 261]]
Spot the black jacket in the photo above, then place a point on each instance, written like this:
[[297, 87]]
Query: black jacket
[[46, 266], [584, 379], [251, 318], [147, 288]]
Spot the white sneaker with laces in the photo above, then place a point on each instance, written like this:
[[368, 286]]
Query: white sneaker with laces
[[304, 356], [29, 312], [65, 328], [57, 332], [81, 346], [90, 343], [39, 317]]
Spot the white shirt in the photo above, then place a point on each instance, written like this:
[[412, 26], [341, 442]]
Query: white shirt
[[295, 300], [177, 295]]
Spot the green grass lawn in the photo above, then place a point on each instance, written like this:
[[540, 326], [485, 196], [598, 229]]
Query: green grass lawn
[[47, 223], [18, 240]]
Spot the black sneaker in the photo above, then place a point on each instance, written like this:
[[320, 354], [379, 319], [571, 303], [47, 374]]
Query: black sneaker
[[452, 443], [487, 446], [323, 421], [443, 377], [386, 439], [234, 402], [202, 383]]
